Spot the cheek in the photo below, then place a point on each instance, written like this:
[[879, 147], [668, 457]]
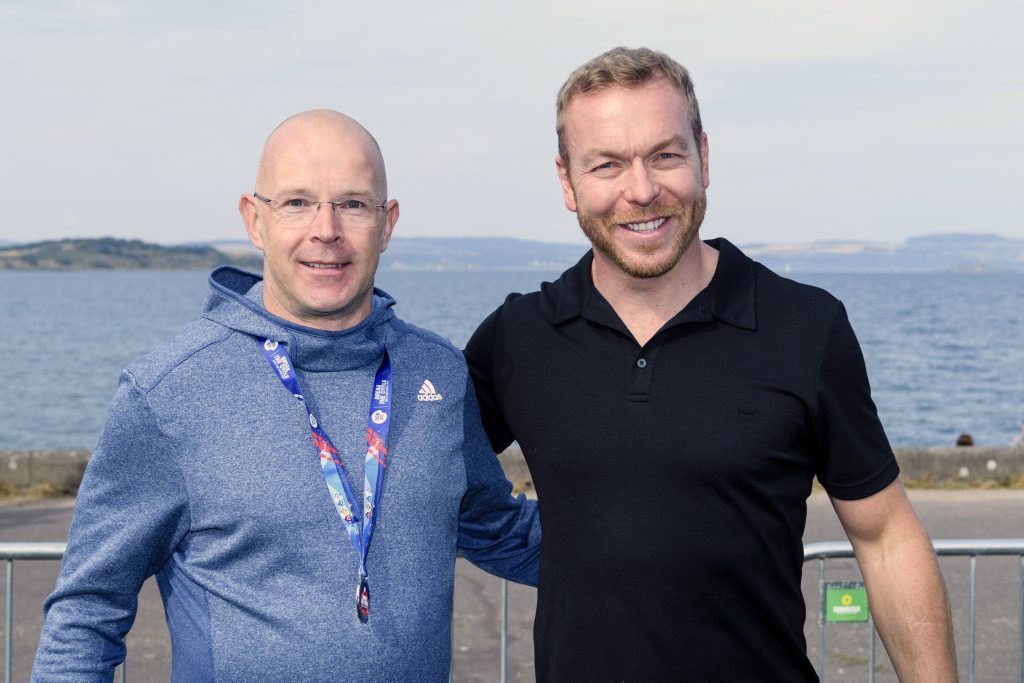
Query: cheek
[[369, 244], [595, 198], [688, 186], [280, 244]]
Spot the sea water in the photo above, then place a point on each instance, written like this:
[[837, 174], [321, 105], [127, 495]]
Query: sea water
[[944, 351]]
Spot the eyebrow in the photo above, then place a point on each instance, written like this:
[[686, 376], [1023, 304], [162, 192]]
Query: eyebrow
[[676, 139]]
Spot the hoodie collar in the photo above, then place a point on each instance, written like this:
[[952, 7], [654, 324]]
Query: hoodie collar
[[235, 300]]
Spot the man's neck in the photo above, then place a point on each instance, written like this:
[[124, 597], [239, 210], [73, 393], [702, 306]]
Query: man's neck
[[645, 304], [328, 322]]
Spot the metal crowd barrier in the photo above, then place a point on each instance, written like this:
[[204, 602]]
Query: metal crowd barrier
[[972, 548], [26, 551]]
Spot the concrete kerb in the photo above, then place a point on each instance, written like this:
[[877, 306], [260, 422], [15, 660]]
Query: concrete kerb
[[24, 470]]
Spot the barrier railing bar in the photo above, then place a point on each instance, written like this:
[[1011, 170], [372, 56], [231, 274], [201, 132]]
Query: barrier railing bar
[[871, 649], [971, 546], [9, 622], [504, 630], [971, 619], [821, 622]]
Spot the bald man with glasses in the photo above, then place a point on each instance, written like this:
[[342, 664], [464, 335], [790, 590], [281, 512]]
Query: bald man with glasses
[[298, 467]]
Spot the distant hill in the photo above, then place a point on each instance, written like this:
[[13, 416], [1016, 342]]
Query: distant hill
[[478, 253], [456, 253], [108, 253], [471, 253], [951, 252], [927, 253]]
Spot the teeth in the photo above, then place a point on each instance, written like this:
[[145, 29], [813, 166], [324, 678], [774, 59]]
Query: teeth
[[321, 265], [646, 227]]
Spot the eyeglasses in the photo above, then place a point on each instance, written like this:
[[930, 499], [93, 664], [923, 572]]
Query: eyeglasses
[[298, 211]]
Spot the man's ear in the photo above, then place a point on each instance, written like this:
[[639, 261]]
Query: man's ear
[[247, 207], [563, 176], [704, 159], [390, 218]]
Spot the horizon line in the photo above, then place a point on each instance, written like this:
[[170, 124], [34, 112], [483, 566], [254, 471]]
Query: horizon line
[[4, 242]]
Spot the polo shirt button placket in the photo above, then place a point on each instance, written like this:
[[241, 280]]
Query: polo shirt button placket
[[640, 380]]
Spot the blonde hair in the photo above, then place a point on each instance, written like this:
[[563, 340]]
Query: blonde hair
[[629, 68]]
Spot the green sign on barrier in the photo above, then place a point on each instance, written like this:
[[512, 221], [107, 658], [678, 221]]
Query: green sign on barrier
[[845, 601]]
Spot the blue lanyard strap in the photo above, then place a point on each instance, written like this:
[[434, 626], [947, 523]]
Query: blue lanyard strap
[[377, 424]]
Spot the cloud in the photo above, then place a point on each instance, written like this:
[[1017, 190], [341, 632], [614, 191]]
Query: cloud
[[837, 120]]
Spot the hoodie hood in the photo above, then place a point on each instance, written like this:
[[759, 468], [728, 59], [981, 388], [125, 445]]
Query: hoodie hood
[[235, 300]]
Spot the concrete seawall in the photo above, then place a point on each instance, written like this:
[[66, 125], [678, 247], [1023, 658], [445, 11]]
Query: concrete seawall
[[62, 470], [23, 470]]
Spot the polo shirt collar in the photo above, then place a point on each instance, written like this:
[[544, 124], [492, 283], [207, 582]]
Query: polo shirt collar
[[729, 297], [733, 287]]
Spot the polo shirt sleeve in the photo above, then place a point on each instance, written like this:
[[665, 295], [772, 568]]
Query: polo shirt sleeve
[[484, 354], [853, 458]]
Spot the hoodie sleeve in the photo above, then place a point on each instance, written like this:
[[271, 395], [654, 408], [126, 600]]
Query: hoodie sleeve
[[130, 514], [497, 532]]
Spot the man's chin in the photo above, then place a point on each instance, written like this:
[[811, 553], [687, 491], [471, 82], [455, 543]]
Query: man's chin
[[641, 268], [637, 261], [640, 260]]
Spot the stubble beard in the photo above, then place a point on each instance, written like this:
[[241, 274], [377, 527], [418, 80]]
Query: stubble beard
[[636, 262]]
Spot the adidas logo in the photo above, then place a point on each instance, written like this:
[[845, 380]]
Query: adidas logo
[[428, 393]]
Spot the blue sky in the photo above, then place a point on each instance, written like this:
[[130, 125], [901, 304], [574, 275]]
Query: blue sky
[[875, 120]]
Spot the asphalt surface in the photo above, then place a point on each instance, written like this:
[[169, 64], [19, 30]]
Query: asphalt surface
[[476, 639]]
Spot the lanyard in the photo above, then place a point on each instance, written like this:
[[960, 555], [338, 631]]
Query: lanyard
[[334, 471]]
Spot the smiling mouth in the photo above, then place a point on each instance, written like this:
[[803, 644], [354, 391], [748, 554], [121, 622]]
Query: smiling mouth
[[646, 226], [319, 265]]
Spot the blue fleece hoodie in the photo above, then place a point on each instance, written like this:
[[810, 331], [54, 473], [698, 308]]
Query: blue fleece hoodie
[[206, 475]]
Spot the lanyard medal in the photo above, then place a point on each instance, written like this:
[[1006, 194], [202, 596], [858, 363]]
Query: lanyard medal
[[334, 471]]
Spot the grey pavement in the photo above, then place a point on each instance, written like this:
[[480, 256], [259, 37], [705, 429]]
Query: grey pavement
[[476, 637]]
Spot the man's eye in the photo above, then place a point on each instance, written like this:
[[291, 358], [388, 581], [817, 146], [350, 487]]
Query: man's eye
[[295, 203], [670, 158], [354, 204], [606, 166]]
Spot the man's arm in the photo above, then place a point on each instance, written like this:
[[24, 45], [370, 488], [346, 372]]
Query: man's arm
[[484, 353], [905, 588], [129, 515], [498, 533]]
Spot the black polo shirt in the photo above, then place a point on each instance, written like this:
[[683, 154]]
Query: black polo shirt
[[673, 476]]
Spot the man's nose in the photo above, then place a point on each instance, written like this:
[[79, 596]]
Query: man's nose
[[326, 225], [641, 187]]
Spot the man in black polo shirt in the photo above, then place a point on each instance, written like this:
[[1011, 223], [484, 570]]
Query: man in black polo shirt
[[673, 400]]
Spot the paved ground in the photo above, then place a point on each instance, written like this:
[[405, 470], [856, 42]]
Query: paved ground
[[947, 514]]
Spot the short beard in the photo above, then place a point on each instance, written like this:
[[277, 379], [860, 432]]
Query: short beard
[[690, 216]]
